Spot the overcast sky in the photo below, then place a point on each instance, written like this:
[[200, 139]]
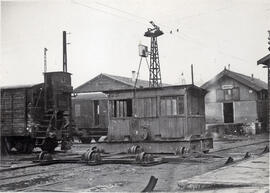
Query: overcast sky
[[105, 35]]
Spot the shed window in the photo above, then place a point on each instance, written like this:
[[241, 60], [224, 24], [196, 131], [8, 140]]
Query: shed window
[[121, 108], [228, 94], [173, 105]]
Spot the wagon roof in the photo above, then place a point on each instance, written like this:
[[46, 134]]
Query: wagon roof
[[185, 86], [91, 96], [20, 86], [253, 83]]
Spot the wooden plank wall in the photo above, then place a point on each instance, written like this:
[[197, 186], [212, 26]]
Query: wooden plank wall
[[13, 112], [196, 125], [172, 127], [119, 128]]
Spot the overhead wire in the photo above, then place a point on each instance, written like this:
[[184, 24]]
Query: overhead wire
[[106, 12], [180, 34]]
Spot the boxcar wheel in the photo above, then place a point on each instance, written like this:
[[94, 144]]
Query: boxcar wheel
[[49, 145], [30, 147], [19, 146]]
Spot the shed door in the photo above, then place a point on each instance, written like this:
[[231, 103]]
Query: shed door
[[228, 112]]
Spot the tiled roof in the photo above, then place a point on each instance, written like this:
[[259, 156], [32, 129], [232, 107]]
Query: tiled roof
[[249, 81]]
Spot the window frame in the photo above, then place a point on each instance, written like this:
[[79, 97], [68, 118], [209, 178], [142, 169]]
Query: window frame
[[120, 108], [165, 100]]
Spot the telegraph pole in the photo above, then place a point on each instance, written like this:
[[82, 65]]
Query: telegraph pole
[[64, 51], [265, 61]]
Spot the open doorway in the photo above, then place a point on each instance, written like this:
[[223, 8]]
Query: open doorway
[[228, 112], [96, 112]]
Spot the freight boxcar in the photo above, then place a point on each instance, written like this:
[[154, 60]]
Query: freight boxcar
[[36, 115], [159, 120], [90, 113]]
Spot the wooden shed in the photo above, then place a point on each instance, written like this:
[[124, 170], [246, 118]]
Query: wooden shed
[[235, 98], [165, 113]]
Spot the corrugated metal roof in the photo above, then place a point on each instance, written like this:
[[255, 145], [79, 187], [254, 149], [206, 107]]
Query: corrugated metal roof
[[253, 83]]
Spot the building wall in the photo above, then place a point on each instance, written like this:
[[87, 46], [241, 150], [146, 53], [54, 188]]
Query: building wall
[[214, 113], [245, 111], [245, 105]]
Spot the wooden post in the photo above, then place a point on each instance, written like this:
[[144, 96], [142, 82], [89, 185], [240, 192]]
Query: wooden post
[[64, 51], [268, 68], [192, 80]]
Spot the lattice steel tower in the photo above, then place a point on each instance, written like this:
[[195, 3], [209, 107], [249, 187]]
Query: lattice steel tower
[[154, 71]]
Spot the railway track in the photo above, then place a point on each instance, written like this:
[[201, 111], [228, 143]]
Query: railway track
[[240, 146], [72, 154], [9, 180]]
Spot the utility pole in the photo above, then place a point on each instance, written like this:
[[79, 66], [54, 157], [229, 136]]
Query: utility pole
[[45, 59], [64, 51], [192, 80], [154, 71], [265, 61]]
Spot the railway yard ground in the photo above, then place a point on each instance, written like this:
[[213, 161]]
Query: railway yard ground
[[228, 167]]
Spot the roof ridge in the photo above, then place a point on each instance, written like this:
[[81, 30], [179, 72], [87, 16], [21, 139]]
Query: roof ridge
[[253, 83], [122, 76]]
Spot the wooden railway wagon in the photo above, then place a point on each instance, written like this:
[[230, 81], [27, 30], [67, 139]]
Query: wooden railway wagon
[[90, 113], [158, 120], [36, 115]]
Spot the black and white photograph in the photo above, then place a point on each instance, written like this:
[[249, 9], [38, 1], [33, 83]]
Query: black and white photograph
[[135, 96]]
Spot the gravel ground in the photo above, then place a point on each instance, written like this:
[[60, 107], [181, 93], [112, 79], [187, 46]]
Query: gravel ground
[[119, 177]]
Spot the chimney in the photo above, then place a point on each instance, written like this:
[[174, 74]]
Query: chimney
[[252, 77], [133, 75]]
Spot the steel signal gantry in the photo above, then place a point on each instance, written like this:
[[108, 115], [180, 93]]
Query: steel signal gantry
[[154, 71]]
